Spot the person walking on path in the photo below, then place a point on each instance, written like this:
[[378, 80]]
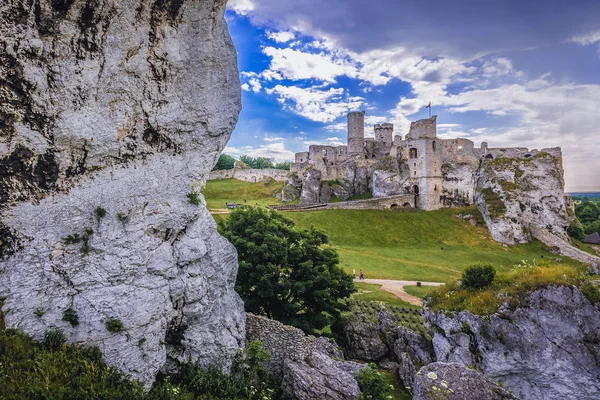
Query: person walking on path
[[361, 276]]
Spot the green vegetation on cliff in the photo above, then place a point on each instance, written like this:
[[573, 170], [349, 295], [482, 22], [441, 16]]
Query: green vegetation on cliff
[[512, 287]]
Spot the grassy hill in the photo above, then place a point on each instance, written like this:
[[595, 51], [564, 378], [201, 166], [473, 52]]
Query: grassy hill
[[394, 245]]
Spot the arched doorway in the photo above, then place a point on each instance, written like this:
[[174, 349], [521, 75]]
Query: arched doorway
[[394, 205]]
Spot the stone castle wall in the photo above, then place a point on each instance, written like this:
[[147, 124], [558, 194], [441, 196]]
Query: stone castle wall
[[250, 175]]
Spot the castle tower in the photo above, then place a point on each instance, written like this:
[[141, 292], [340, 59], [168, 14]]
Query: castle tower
[[356, 134], [384, 133]]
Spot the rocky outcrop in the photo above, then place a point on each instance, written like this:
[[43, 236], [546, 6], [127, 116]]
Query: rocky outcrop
[[517, 194], [456, 382], [383, 340], [548, 349], [112, 114], [459, 182], [390, 178], [292, 187], [311, 189], [308, 368]]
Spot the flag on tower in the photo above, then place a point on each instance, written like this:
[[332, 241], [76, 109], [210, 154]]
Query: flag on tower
[[428, 105]]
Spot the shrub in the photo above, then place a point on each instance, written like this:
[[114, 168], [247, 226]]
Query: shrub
[[54, 338], [478, 276], [100, 213], [373, 384], [39, 312], [193, 198], [114, 325], [248, 379], [123, 217], [71, 317], [575, 230]]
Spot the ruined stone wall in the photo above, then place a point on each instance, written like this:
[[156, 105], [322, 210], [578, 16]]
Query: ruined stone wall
[[250, 175], [423, 128]]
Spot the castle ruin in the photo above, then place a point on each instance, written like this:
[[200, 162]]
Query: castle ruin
[[438, 172]]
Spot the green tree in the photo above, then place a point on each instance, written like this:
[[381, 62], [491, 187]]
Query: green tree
[[258, 162], [225, 162], [283, 165], [286, 273]]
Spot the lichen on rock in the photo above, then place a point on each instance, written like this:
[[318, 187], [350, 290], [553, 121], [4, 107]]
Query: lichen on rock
[[124, 106]]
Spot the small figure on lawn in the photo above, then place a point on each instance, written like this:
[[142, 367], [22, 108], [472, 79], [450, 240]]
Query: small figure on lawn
[[361, 276]]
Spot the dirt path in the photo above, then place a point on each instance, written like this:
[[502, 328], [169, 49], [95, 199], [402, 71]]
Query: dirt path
[[397, 288]]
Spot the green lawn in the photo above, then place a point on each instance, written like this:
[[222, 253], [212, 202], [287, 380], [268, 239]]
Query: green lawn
[[393, 245], [219, 192], [370, 292], [402, 245], [418, 291]]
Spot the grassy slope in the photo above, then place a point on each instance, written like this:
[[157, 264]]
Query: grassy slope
[[392, 245], [370, 292], [219, 192]]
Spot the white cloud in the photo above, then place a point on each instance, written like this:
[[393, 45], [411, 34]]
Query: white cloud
[[327, 142], [586, 39], [296, 65], [241, 7], [273, 139], [281, 37], [315, 104], [246, 87]]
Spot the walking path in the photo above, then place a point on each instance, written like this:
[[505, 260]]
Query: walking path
[[397, 288]]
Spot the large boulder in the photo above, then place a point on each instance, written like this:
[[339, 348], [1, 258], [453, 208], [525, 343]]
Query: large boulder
[[547, 349], [456, 382], [112, 114], [311, 189], [390, 177], [307, 367]]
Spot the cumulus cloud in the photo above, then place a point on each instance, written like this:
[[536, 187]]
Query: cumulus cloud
[[317, 104], [281, 37], [587, 39]]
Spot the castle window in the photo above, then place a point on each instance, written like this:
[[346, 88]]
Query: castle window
[[460, 148], [412, 153], [435, 188], [415, 173], [433, 145], [415, 165]]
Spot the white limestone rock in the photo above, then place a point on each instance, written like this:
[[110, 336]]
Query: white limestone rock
[[516, 195], [546, 350], [124, 105]]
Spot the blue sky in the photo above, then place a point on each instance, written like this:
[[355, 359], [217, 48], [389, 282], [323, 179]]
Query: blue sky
[[512, 73]]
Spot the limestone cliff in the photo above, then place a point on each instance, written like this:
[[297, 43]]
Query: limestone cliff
[[547, 349], [516, 195], [112, 112]]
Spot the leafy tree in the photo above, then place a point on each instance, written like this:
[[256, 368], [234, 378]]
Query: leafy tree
[[286, 273], [225, 162], [373, 384], [257, 163], [478, 276], [575, 230], [283, 165]]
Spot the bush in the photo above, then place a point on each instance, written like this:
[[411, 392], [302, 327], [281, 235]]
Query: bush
[[114, 325], [71, 317], [54, 338], [478, 276], [373, 384], [193, 198], [575, 231], [247, 380]]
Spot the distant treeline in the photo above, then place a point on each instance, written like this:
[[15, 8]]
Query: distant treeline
[[228, 162], [587, 210]]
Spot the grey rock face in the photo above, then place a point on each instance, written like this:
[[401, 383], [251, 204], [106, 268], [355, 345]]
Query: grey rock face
[[547, 350], [112, 112], [390, 178], [456, 382], [308, 367], [320, 377], [311, 190], [363, 339], [516, 195], [291, 190]]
